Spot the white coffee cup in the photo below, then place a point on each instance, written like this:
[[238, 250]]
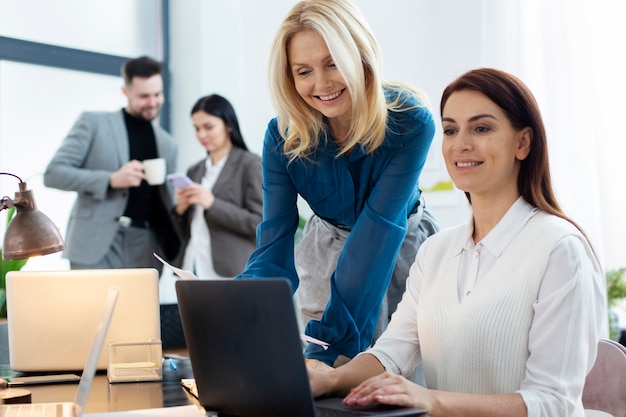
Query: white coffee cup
[[154, 171]]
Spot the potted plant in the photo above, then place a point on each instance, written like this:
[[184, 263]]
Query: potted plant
[[616, 291], [6, 266]]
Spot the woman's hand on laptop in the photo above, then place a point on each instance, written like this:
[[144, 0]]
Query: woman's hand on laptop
[[388, 388]]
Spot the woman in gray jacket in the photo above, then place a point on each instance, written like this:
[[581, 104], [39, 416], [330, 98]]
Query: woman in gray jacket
[[218, 213]]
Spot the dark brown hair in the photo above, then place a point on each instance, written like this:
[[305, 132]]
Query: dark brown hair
[[142, 67], [218, 106], [518, 103]]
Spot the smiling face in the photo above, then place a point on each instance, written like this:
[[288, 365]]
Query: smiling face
[[317, 79], [213, 134], [145, 97], [481, 149]]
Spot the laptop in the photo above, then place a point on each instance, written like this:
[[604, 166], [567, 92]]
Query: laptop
[[52, 313], [76, 408], [246, 354]]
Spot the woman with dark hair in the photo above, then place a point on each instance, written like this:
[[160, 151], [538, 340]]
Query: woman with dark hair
[[504, 312], [218, 214]]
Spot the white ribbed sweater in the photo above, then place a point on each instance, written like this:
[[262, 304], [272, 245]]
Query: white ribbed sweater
[[480, 345]]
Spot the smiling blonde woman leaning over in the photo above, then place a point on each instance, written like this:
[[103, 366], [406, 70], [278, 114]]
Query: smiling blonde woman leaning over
[[504, 312], [353, 147]]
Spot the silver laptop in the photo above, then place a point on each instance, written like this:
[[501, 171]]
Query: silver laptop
[[246, 354], [52, 313], [76, 408]]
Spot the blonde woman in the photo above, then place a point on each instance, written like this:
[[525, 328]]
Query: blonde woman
[[353, 147]]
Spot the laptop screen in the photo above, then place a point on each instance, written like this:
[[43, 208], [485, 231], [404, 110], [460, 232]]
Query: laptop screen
[[89, 370], [52, 315]]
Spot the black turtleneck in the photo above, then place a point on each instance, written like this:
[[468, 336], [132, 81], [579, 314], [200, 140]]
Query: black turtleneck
[[141, 145]]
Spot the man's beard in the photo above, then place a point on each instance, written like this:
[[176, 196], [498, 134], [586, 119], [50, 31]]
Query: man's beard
[[147, 115]]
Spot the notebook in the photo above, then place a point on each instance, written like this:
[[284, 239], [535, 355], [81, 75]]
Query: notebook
[[75, 409], [51, 315], [246, 354]]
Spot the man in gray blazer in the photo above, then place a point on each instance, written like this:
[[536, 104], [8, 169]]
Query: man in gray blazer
[[118, 219]]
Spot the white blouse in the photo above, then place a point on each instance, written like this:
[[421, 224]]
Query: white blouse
[[198, 254], [565, 287]]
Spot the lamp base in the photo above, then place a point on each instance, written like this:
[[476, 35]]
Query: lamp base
[[15, 396]]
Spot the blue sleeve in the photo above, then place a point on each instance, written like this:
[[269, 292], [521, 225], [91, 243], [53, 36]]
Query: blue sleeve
[[411, 134], [274, 255]]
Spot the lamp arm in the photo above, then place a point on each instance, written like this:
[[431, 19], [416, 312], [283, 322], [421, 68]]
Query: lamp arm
[[7, 202], [13, 175]]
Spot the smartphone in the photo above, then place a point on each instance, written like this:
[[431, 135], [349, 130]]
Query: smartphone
[[179, 180], [42, 379]]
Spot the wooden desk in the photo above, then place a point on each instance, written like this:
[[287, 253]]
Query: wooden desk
[[123, 396]]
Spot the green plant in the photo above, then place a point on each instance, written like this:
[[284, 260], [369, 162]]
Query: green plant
[[616, 291], [616, 285], [6, 266]]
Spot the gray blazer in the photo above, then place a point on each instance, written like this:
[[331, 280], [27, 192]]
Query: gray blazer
[[235, 214], [97, 145]]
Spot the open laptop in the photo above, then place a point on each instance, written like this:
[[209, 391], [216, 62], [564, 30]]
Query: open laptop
[[75, 409], [246, 354], [52, 313]]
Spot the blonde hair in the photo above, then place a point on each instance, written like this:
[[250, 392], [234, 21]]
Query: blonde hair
[[357, 56]]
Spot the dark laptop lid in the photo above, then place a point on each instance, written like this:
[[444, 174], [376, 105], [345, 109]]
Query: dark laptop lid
[[246, 354], [244, 347]]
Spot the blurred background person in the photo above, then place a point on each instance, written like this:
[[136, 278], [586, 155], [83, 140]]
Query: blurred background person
[[218, 214], [118, 219]]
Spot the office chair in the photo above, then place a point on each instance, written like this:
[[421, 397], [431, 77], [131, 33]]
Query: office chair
[[605, 386]]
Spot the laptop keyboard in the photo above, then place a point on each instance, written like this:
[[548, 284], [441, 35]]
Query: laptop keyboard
[[332, 407], [333, 412], [32, 410]]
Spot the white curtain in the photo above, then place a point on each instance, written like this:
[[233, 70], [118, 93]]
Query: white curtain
[[571, 53]]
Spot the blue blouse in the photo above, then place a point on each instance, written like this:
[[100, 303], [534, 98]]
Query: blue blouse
[[372, 195]]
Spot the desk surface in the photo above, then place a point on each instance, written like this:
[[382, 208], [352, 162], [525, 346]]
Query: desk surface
[[125, 396]]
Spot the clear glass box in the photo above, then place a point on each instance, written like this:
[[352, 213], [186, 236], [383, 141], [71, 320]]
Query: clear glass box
[[135, 361]]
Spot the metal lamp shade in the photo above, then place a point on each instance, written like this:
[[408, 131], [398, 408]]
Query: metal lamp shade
[[30, 233]]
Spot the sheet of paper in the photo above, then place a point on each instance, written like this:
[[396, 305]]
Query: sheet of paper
[[190, 385], [181, 273], [315, 341], [180, 411]]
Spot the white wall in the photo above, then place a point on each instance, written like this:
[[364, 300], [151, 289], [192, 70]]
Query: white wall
[[220, 47]]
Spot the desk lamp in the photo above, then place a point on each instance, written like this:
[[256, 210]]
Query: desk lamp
[[31, 232]]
